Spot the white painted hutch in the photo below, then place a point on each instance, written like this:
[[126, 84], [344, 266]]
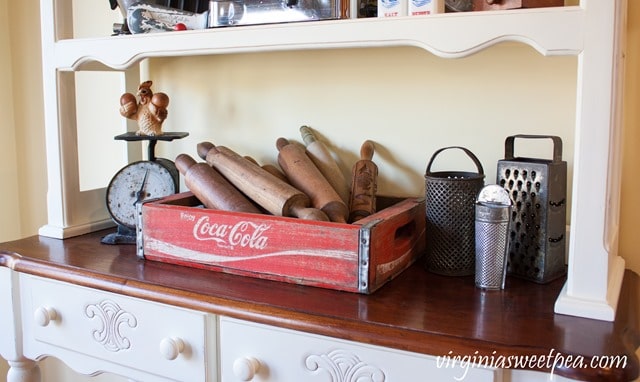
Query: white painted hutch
[[592, 31]]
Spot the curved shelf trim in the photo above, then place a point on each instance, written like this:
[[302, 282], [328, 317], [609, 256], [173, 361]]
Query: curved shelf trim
[[550, 31]]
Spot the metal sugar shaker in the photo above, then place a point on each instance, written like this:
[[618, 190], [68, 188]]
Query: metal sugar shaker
[[492, 217]]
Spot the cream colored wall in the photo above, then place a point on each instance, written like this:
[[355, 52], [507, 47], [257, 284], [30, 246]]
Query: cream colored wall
[[22, 197], [629, 239], [407, 101], [9, 196], [228, 99]]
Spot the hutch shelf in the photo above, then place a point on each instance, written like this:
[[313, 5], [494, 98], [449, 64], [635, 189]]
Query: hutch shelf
[[592, 31]]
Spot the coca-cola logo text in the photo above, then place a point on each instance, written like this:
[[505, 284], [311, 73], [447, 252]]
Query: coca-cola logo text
[[243, 234]]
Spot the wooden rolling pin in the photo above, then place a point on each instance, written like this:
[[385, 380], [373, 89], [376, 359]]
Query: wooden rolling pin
[[364, 184], [273, 170], [211, 188], [321, 157], [305, 176], [274, 195]]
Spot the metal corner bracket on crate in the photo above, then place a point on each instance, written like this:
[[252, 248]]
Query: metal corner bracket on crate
[[364, 242], [139, 234]]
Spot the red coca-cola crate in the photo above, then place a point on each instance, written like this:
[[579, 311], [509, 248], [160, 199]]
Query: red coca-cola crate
[[357, 257]]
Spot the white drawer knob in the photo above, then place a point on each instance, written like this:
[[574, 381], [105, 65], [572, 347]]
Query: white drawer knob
[[246, 368], [170, 348], [44, 315]]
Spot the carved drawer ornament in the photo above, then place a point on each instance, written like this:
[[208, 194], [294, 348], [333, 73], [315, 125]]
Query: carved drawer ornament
[[343, 366], [112, 318]]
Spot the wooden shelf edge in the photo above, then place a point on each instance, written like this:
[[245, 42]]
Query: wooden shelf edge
[[550, 31]]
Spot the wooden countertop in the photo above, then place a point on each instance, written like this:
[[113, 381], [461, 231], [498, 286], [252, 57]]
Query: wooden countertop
[[418, 311]]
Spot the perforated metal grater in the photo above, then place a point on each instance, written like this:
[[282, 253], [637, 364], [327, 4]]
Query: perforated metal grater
[[538, 190]]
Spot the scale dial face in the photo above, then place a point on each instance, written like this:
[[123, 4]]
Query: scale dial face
[[136, 182]]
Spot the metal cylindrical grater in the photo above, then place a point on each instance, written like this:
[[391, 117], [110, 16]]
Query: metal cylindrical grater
[[493, 213], [450, 197], [538, 189]]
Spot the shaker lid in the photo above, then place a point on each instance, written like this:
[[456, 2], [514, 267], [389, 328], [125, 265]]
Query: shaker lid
[[494, 194]]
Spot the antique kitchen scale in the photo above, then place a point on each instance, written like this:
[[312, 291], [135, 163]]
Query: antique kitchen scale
[[145, 179], [139, 181]]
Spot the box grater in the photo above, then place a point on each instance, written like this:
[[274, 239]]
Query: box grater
[[538, 189]]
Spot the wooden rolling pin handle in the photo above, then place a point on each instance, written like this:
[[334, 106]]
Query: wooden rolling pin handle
[[366, 150], [308, 213], [337, 210], [250, 159], [298, 206], [281, 143], [203, 149], [307, 135], [211, 188]]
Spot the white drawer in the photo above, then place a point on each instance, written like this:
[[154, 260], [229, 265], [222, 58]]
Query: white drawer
[[86, 328], [254, 352]]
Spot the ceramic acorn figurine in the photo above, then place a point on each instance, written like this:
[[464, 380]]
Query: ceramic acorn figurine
[[149, 111]]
